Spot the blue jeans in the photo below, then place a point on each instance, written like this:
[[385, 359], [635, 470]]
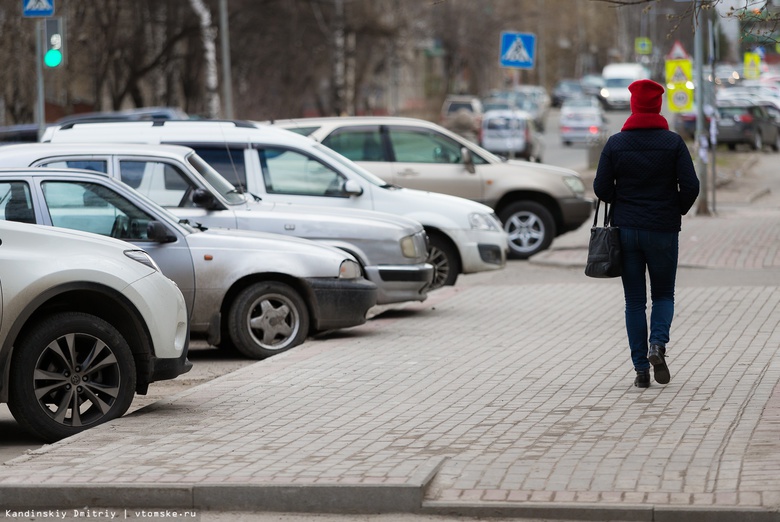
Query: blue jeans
[[655, 253]]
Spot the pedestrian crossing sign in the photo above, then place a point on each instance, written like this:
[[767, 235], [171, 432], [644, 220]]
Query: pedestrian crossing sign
[[643, 45], [679, 85], [517, 50], [752, 66]]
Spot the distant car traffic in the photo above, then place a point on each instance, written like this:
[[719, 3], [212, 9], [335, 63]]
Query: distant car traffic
[[260, 293], [565, 89], [512, 133], [535, 202], [86, 323], [582, 120], [746, 123]]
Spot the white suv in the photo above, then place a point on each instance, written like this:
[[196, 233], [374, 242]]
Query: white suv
[[279, 167], [80, 336]]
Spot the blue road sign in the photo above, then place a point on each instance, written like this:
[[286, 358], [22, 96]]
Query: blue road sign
[[37, 7], [518, 50]]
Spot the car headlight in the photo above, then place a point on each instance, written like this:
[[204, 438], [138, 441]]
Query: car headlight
[[484, 222], [575, 184], [349, 270], [143, 258], [605, 93], [409, 247]]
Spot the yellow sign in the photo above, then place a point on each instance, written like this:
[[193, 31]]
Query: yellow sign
[[643, 45], [752, 66], [679, 85]]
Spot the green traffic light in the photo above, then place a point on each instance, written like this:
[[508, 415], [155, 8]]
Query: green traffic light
[[52, 58]]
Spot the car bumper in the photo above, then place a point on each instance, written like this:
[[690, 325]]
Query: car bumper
[[480, 250], [163, 369], [399, 283], [165, 315], [580, 135], [341, 303], [574, 212]]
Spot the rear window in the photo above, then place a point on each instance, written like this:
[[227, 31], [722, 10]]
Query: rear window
[[501, 123]]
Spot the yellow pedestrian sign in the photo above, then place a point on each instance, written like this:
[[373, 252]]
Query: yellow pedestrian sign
[[679, 85], [752, 66]]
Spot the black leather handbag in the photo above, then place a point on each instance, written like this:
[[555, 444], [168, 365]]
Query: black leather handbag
[[604, 252]]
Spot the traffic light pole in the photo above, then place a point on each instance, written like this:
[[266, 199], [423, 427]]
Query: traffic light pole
[[41, 116]]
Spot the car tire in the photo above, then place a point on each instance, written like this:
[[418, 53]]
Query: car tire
[[758, 142], [530, 226], [267, 318], [67, 359], [776, 144], [443, 255]]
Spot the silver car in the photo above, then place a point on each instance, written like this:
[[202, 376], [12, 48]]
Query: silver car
[[260, 293], [392, 250]]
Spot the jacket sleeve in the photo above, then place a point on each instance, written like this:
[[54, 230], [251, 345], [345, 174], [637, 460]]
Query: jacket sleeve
[[687, 181], [604, 182]]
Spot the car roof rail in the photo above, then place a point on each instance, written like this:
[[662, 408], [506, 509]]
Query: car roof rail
[[246, 124]]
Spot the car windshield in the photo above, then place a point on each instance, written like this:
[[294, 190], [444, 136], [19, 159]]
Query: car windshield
[[617, 82], [216, 180], [349, 164]]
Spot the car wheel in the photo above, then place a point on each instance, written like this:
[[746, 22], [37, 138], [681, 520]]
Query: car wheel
[[444, 258], [776, 144], [758, 142], [530, 226], [267, 318], [732, 146], [71, 372]]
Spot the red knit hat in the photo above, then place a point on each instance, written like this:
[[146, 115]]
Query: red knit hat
[[646, 96]]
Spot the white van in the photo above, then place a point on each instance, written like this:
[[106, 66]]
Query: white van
[[617, 78]]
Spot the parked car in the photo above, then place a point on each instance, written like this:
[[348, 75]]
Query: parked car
[[512, 133], [140, 113], [536, 203], [86, 322], [532, 99], [281, 168], [592, 85], [456, 102], [582, 120], [565, 89], [462, 114], [746, 123], [391, 250], [260, 293]]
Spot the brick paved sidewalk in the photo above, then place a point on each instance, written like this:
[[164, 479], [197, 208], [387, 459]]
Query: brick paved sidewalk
[[494, 397], [515, 398]]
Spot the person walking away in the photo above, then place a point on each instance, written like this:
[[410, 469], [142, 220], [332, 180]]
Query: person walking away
[[645, 171]]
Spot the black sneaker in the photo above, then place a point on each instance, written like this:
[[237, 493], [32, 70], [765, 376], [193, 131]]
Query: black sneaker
[[642, 379], [656, 356]]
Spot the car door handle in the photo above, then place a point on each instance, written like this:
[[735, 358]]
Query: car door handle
[[408, 172]]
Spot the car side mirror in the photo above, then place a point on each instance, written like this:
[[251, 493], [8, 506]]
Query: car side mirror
[[468, 161], [352, 188], [203, 198], [159, 233]]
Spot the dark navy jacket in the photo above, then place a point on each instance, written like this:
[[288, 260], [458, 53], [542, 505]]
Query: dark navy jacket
[[648, 175]]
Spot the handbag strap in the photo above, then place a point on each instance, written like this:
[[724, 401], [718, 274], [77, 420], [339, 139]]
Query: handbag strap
[[608, 211]]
